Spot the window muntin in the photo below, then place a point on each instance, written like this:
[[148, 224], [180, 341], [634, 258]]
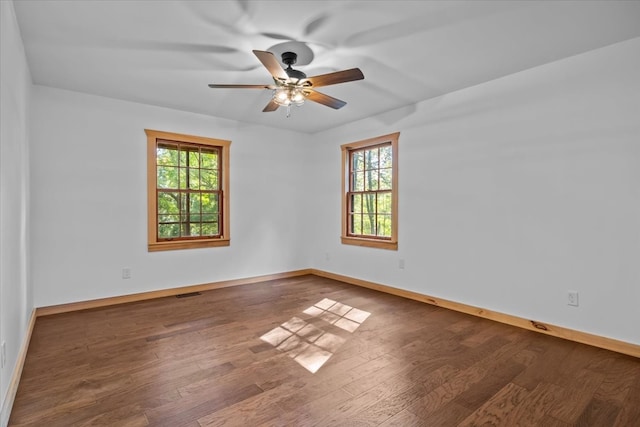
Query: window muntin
[[370, 192], [188, 191]]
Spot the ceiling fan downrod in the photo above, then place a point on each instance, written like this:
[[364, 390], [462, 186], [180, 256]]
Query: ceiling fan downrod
[[290, 58]]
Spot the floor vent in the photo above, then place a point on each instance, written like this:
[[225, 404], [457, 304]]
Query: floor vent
[[190, 294]]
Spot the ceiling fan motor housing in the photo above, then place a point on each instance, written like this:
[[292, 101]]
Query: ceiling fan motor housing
[[290, 58]]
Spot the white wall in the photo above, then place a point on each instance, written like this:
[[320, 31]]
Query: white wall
[[15, 290], [511, 193], [89, 208]]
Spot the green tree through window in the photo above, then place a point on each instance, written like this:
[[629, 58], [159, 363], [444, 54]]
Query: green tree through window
[[370, 192], [188, 190]]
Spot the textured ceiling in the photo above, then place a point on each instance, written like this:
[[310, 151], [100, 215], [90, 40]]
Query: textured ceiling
[[166, 52]]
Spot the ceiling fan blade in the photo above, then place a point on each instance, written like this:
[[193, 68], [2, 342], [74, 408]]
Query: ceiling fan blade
[[313, 26], [176, 46], [327, 100], [276, 36], [219, 86], [335, 78], [271, 106], [271, 64]]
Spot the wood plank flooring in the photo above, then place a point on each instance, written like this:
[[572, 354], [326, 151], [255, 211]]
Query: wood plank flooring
[[246, 356]]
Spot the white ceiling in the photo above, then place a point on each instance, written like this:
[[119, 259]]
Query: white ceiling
[[166, 52]]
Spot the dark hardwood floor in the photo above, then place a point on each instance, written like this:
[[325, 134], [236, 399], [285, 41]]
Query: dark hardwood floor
[[312, 351]]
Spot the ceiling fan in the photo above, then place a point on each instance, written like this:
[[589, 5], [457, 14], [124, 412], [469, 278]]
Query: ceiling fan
[[293, 87]]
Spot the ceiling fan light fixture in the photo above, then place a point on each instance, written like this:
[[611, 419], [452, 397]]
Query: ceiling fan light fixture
[[286, 96], [298, 97]]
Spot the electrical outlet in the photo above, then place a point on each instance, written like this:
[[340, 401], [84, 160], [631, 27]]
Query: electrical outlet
[[4, 353], [401, 263], [572, 298], [126, 273]]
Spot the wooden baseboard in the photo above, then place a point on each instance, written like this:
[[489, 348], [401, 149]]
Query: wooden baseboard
[[7, 404], [532, 325], [104, 302]]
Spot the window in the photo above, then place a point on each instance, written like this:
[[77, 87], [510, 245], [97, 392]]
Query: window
[[188, 191], [370, 197]]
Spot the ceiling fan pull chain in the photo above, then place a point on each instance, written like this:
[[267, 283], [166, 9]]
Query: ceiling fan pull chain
[[288, 111]]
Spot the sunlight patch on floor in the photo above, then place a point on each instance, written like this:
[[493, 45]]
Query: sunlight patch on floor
[[310, 345]]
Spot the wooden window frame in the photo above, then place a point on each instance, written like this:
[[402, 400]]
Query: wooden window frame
[[373, 242], [154, 244]]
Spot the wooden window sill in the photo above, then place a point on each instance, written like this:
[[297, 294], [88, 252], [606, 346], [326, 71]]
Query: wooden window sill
[[194, 244], [371, 243]]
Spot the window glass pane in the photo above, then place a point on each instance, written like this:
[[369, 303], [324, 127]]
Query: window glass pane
[[194, 203], [356, 224], [384, 203], [371, 180], [368, 224], [208, 179], [358, 181], [194, 230], [210, 217], [209, 203], [168, 218], [168, 231], [183, 158], [386, 157], [384, 226], [167, 177], [194, 159], [182, 176], [210, 229], [194, 179], [357, 161], [356, 203], [168, 203], [209, 158], [185, 226], [167, 155], [369, 203], [385, 179], [371, 159], [184, 203]]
